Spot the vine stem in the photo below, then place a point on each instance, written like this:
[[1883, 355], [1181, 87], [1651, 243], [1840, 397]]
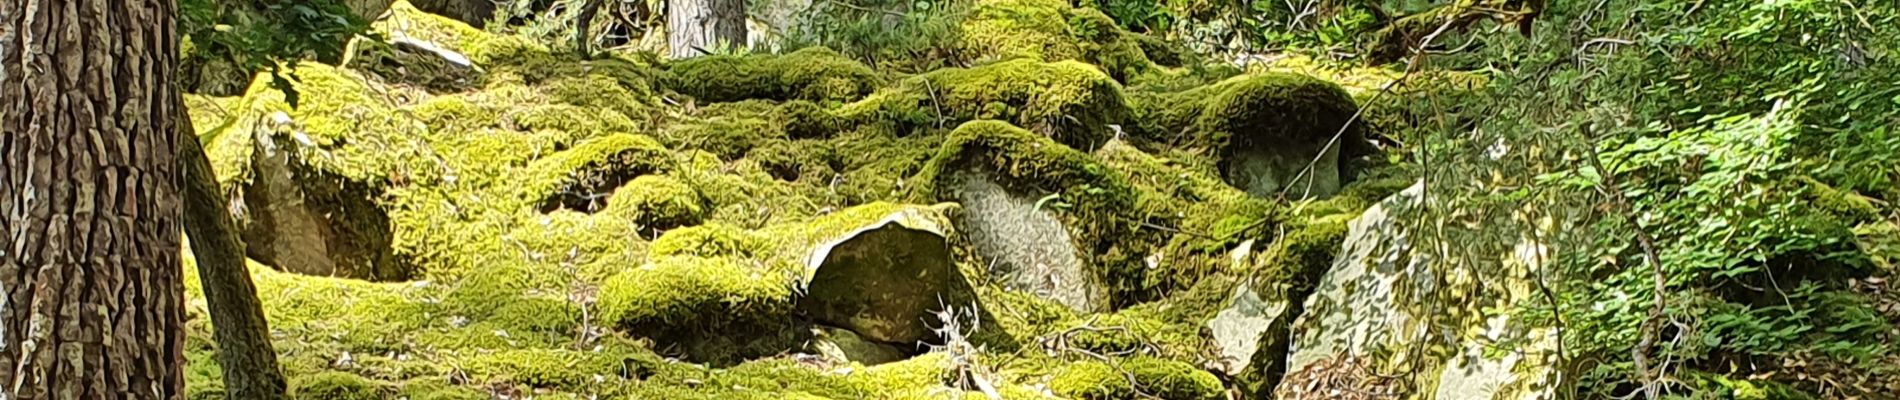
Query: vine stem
[[1652, 323]]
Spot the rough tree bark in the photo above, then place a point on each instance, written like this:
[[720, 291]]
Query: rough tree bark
[[90, 201], [583, 27], [695, 27], [237, 320]]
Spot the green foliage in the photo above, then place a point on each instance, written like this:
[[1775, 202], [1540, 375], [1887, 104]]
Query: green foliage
[[1714, 128], [267, 35]]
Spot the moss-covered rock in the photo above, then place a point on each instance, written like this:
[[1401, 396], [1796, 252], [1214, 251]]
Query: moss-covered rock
[[1072, 102], [658, 202], [1040, 212], [1054, 31], [884, 278], [310, 176], [414, 62], [697, 303], [1163, 379], [1264, 130], [582, 177], [815, 74], [709, 240]]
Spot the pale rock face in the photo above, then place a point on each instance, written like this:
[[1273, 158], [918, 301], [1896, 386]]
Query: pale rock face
[[1373, 308], [302, 220], [885, 280], [1023, 246], [1238, 329]]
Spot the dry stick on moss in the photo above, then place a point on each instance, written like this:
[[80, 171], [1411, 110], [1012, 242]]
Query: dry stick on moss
[[1653, 322]]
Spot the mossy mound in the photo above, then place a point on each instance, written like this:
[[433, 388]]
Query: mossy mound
[[336, 385], [1156, 378], [1095, 205], [709, 240], [582, 177], [699, 303], [1263, 130], [1051, 30], [1070, 101], [815, 74], [658, 202]]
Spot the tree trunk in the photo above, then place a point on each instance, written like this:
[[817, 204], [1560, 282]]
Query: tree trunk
[[90, 201], [696, 27], [237, 320]]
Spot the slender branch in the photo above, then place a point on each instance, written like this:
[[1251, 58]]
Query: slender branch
[[1653, 322]]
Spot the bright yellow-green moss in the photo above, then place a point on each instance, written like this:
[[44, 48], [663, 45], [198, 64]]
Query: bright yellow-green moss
[[804, 119], [1051, 30], [550, 368], [1038, 29], [816, 74], [1070, 101], [336, 386], [435, 389], [1300, 258], [709, 240], [595, 92], [684, 295], [574, 123], [657, 202], [727, 136], [576, 178], [792, 160], [1167, 380]]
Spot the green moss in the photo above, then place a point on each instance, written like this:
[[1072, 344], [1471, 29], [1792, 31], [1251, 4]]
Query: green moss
[[439, 390], [658, 202], [1162, 52], [1163, 379], [816, 74], [335, 386], [1301, 257], [595, 91], [681, 298], [1001, 29], [727, 136], [1069, 101], [578, 178], [1274, 107], [549, 368], [1847, 205], [805, 119], [1103, 43], [571, 123], [792, 160], [709, 240]]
